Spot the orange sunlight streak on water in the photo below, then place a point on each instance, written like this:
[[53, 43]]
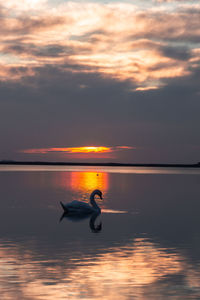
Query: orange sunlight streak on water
[[82, 181], [88, 181]]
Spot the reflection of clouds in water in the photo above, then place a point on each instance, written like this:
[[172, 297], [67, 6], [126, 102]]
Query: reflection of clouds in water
[[137, 269]]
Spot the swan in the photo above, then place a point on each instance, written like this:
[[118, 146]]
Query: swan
[[79, 207]]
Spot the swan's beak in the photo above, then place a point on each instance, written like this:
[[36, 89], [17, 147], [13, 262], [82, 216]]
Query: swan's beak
[[101, 197]]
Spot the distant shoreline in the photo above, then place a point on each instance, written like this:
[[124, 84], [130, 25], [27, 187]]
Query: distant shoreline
[[40, 163]]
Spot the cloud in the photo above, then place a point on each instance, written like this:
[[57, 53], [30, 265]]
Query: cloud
[[100, 74], [82, 150], [119, 40], [179, 52], [20, 6], [52, 110], [86, 149]]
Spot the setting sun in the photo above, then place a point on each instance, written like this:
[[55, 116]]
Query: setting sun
[[89, 149], [85, 149]]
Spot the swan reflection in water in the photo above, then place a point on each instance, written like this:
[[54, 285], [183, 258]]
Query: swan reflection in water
[[78, 210], [76, 218]]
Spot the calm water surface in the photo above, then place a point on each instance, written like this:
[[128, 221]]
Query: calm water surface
[[148, 248]]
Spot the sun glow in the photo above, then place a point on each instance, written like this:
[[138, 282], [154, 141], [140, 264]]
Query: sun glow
[[85, 149], [81, 184], [88, 181], [89, 149]]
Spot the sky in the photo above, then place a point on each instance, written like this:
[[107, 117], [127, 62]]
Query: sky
[[105, 81]]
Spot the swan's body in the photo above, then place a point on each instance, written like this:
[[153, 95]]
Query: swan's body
[[79, 207]]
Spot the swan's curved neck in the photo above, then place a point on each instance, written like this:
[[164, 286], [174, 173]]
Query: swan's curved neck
[[93, 202]]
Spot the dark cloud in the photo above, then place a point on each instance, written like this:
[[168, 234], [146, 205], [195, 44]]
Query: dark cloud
[[26, 25], [52, 109], [62, 88], [31, 49], [181, 25], [180, 53]]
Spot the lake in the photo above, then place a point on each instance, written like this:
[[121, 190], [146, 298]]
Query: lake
[[148, 246]]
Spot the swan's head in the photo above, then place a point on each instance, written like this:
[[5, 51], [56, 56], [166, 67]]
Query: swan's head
[[97, 192]]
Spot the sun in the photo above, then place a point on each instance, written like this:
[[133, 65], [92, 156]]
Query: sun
[[89, 149]]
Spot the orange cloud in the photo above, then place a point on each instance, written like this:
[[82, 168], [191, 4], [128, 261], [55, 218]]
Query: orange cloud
[[123, 41], [70, 150], [125, 147], [87, 149]]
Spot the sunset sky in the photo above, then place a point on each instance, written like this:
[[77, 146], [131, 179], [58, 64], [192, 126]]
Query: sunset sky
[[100, 81]]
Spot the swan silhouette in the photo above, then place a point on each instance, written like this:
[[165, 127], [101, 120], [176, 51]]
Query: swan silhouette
[[82, 208]]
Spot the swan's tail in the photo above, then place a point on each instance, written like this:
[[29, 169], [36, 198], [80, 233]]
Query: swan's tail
[[65, 209]]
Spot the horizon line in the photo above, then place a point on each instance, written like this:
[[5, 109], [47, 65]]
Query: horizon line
[[10, 162]]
